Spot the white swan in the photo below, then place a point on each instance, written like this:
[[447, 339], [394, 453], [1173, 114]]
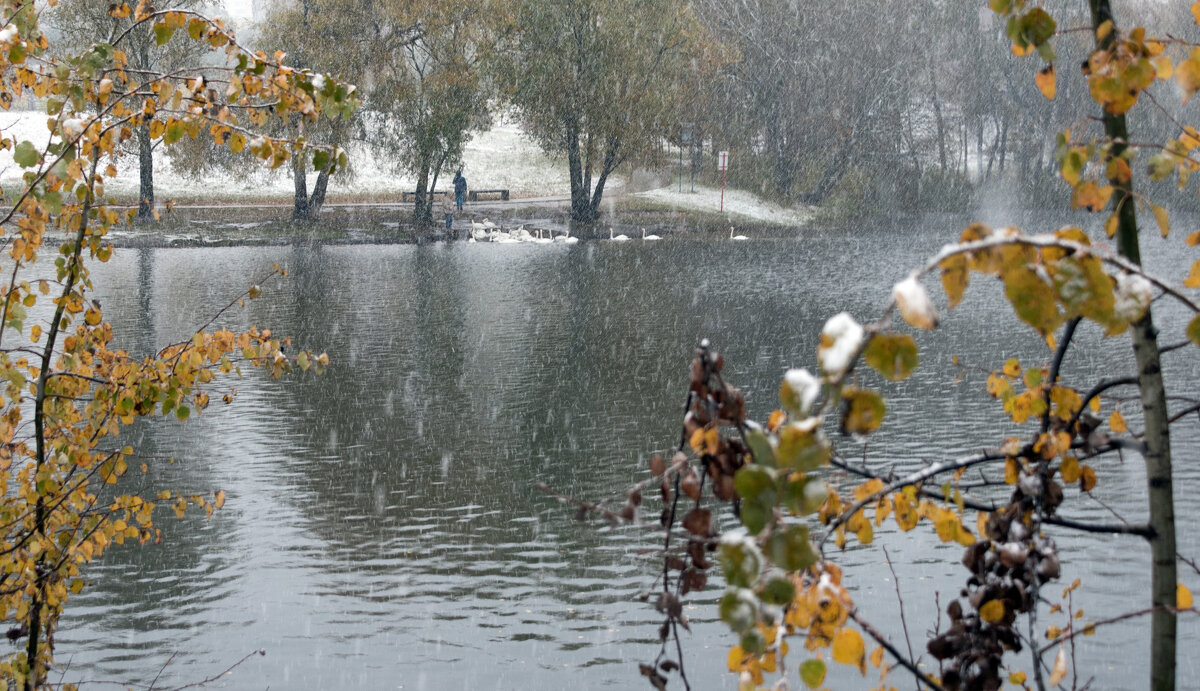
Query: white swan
[[502, 237], [651, 236], [539, 240], [478, 231], [565, 238], [619, 238], [736, 237]]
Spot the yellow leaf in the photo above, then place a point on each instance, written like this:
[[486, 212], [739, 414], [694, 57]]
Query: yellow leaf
[[219, 500], [776, 419], [1183, 597], [1196, 11], [1088, 478], [1021, 51], [946, 524], [1070, 470], [1164, 68], [865, 533], [1094, 404], [992, 611], [1110, 226], [906, 515], [1193, 239], [697, 440], [35, 333], [1193, 279], [877, 656], [1187, 75], [1012, 368], [1017, 678], [1164, 222], [1116, 422], [1046, 82], [1059, 672], [1119, 171], [848, 647], [1011, 471], [735, 658], [1102, 33], [954, 278]]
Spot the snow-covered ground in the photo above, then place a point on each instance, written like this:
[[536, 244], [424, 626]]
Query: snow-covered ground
[[737, 203], [498, 158], [501, 157]]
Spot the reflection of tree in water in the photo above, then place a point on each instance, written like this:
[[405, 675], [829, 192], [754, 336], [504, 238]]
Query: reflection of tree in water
[[137, 609]]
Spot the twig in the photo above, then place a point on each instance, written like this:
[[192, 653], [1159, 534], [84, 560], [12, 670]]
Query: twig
[[160, 671], [904, 662], [1056, 366], [1124, 528], [213, 678], [900, 599], [1111, 620]]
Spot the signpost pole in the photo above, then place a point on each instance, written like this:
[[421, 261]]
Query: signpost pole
[[723, 162]]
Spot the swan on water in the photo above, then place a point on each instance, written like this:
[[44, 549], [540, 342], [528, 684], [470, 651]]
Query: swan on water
[[651, 236], [736, 237], [565, 238], [619, 238]]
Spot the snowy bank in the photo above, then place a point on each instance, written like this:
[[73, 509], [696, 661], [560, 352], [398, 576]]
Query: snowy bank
[[501, 157], [738, 203]]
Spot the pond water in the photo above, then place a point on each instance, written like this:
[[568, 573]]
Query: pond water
[[382, 528]]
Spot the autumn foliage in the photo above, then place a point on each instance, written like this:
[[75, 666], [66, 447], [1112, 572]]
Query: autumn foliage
[[68, 389], [797, 500]]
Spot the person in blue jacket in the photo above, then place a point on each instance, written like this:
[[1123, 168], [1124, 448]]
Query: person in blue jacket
[[460, 188]]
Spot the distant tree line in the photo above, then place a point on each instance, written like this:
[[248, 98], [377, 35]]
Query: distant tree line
[[907, 102]]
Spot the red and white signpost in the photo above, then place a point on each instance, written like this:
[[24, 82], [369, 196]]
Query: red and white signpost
[[723, 165]]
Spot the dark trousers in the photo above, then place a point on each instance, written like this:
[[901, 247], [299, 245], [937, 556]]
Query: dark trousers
[[458, 200], [449, 220]]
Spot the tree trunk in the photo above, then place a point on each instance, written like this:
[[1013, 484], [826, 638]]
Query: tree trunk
[[992, 155], [300, 185], [610, 163], [937, 115], [1003, 143], [145, 210], [317, 199], [784, 175], [979, 151], [581, 209], [1163, 576], [422, 204]]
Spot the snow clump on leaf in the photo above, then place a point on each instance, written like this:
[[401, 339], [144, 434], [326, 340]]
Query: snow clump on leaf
[[72, 127], [1132, 297], [840, 340], [914, 304], [799, 390]]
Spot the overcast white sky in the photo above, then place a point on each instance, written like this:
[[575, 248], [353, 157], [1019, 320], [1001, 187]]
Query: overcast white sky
[[238, 8]]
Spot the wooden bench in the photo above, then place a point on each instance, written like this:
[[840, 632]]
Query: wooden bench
[[473, 195], [406, 197]]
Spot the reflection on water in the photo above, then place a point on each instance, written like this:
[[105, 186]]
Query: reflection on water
[[382, 530]]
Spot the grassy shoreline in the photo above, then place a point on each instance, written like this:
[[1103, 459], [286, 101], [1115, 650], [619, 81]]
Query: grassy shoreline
[[367, 220]]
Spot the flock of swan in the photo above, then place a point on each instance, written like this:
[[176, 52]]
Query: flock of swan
[[486, 231], [490, 232]]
